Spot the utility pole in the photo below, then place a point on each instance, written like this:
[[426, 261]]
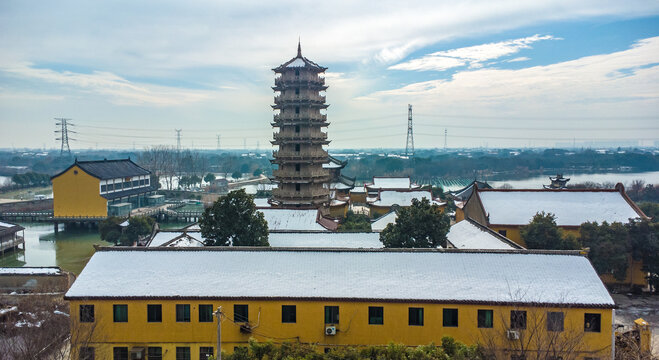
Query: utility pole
[[409, 145], [64, 134], [218, 313], [178, 139]]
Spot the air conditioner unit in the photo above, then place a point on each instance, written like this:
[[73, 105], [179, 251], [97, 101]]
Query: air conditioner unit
[[137, 353], [330, 330], [513, 335], [245, 328]]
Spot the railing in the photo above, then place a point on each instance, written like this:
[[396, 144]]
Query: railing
[[299, 118], [299, 80], [295, 156], [300, 136], [293, 195], [318, 99], [290, 174]]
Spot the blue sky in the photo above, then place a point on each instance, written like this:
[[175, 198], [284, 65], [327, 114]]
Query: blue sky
[[491, 73]]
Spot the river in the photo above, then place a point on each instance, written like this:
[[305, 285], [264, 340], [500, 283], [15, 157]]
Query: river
[[537, 181]]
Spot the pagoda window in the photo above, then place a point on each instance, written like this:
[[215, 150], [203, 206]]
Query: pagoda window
[[297, 109], [297, 72], [297, 187], [297, 129], [297, 167], [297, 147], [297, 91]]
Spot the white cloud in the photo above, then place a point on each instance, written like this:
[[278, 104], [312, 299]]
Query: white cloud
[[474, 56], [117, 89], [518, 59]]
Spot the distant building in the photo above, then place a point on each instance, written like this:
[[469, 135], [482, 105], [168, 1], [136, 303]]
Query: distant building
[[557, 182], [11, 236], [508, 210], [389, 183], [219, 186], [300, 175], [98, 189], [386, 200], [340, 187], [337, 298]]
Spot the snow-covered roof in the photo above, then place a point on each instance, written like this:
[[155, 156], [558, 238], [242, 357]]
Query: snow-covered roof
[[162, 237], [292, 219], [298, 62], [380, 223], [391, 183], [571, 207], [339, 185], [332, 165], [326, 240], [7, 225], [468, 235], [402, 198], [30, 271], [186, 240], [262, 202], [401, 275]]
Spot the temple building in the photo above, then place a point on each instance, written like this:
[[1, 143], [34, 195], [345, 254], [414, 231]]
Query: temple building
[[301, 178]]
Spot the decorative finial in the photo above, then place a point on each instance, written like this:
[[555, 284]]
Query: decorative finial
[[299, 48]]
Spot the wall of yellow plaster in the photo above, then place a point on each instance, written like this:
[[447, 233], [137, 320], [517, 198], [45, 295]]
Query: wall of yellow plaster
[[353, 327], [78, 195]]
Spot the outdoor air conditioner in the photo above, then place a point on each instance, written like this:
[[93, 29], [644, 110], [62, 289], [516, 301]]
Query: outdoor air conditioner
[[513, 335], [330, 330], [137, 353]]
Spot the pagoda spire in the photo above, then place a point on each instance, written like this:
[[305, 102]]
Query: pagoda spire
[[299, 48]]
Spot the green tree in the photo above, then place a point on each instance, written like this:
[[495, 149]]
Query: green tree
[[421, 225], [543, 233], [257, 172], [110, 230], [138, 226], [355, 223], [236, 174], [209, 178], [644, 237], [194, 180], [651, 210], [233, 220], [609, 245]]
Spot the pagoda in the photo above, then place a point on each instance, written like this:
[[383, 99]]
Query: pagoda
[[301, 178]]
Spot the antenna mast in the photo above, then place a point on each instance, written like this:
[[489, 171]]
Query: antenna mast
[[409, 145]]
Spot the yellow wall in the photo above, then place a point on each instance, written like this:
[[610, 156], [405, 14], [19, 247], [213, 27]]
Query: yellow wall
[[358, 197], [78, 195], [353, 327], [339, 211], [459, 215]]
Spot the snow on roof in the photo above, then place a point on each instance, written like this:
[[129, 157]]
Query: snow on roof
[[186, 241], [339, 185], [262, 202], [332, 165], [163, 237], [7, 225], [402, 198], [30, 271], [572, 208], [379, 224], [292, 219], [391, 183], [517, 277], [465, 235], [326, 240], [297, 63]]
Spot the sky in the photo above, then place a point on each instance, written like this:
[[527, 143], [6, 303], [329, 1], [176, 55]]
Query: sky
[[477, 73]]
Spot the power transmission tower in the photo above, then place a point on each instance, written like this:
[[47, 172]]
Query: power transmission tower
[[409, 146], [218, 141], [445, 132], [178, 139], [64, 134]]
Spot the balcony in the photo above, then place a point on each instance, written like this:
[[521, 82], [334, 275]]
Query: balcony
[[299, 119], [307, 137], [309, 175], [300, 156], [299, 99], [300, 81], [288, 195]]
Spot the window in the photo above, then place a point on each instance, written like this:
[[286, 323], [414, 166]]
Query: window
[[136, 183], [154, 353], [86, 353], [450, 318], [86, 313], [110, 187], [555, 321], [375, 315], [297, 187], [297, 147], [517, 319], [146, 181], [331, 314], [297, 72], [297, 109], [517, 357], [120, 313], [183, 353], [120, 353], [297, 91], [297, 129], [182, 313], [154, 313], [104, 188], [485, 318], [502, 232], [288, 314], [297, 167], [416, 316], [142, 182], [240, 313], [205, 313], [117, 186], [205, 352], [592, 322]]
